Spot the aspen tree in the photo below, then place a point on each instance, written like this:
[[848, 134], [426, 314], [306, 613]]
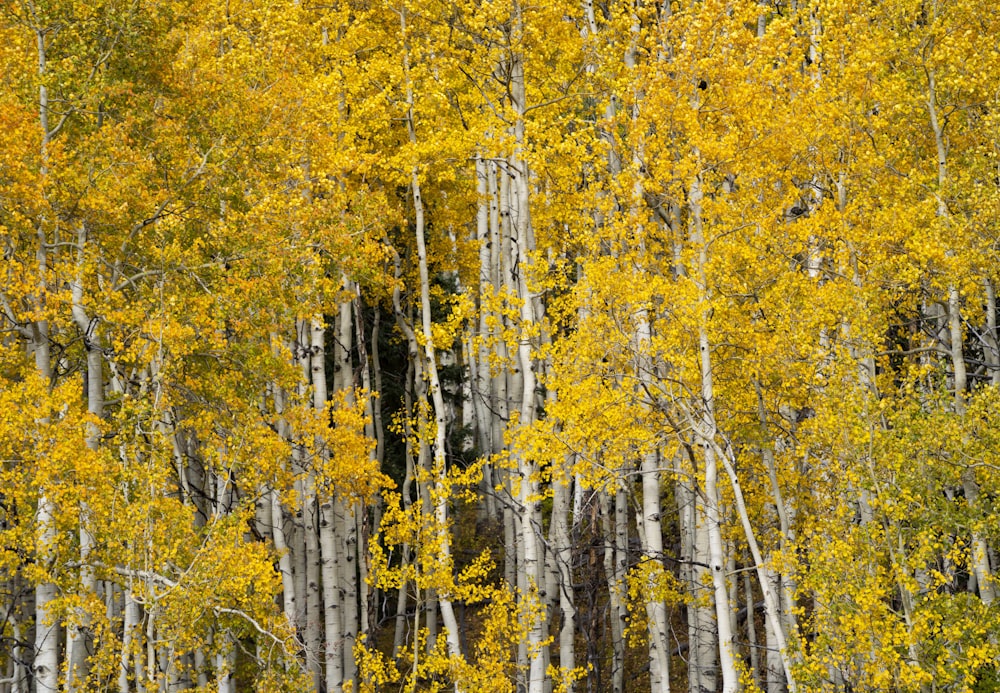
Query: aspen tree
[[956, 341], [522, 247], [439, 468], [651, 532]]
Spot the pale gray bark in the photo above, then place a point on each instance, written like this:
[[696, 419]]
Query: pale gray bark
[[297, 544], [707, 431], [734, 595], [752, 640], [784, 588], [307, 557], [412, 391], [280, 526], [979, 555], [151, 650], [651, 532], [522, 247], [78, 641], [330, 553], [504, 396], [479, 355], [614, 551], [224, 663], [131, 652], [45, 665], [652, 547], [992, 352], [771, 599], [313, 621], [775, 673], [347, 519], [201, 667], [334, 644], [46, 662], [373, 431], [563, 558], [702, 652], [992, 357], [17, 672], [345, 516], [440, 469]]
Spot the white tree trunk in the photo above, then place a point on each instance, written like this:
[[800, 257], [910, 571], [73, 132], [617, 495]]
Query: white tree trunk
[[522, 245], [344, 511], [656, 609], [775, 669], [334, 654], [348, 523], [979, 557], [616, 588], [46, 662], [563, 555], [992, 351], [313, 618], [707, 432], [45, 665], [430, 354]]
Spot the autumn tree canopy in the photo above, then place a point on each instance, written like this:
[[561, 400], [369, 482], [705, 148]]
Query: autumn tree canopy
[[495, 346]]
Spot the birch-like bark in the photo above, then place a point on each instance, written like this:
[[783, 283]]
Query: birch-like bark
[[693, 574], [707, 433], [430, 353], [784, 595], [376, 598], [652, 547], [312, 614], [479, 356], [563, 550], [345, 510], [522, 245], [406, 488], [373, 424], [131, 645], [334, 655], [78, 641], [330, 553], [753, 645], [770, 598], [651, 532], [613, 552], [734, 594], [504, 396], [45, 665], [980, 550], [17, 679], [775, 674], [224, 664], [278, 521], [299, 553], [46, 661], [707, 428], [345, 516], [992, 353]]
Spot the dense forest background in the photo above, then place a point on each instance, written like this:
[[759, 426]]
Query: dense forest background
[[486, 346]]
